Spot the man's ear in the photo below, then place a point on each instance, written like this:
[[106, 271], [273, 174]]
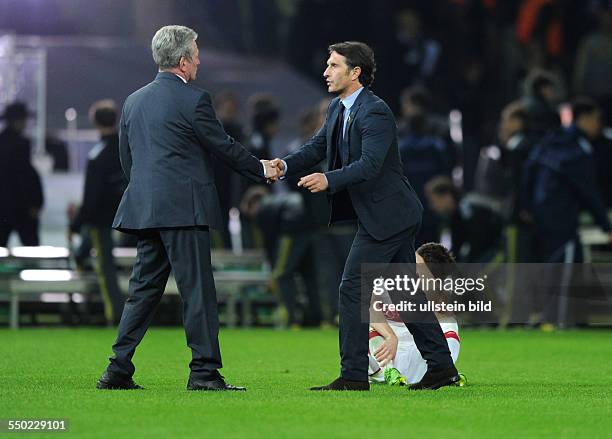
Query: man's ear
[[356, 73]]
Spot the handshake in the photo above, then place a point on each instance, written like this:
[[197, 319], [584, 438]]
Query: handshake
[[275, 169]]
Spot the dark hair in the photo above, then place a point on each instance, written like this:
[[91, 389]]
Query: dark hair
[[583, 105], [265, 110], [104, 113], [537, 79], [224, 96], [439, 260], [436, 253], [441, 185], [357, 54], [418, 95]]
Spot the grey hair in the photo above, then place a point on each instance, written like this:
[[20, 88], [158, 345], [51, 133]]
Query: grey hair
[[170, 43]]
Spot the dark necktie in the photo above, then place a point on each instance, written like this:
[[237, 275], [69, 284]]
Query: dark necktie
[[340, 146]]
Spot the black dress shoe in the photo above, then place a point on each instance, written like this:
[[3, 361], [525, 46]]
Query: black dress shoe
[[435, 380], [216, 384], [113, 381], [342, 384]]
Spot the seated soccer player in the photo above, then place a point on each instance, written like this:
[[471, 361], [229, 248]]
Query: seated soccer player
[[393, 355]]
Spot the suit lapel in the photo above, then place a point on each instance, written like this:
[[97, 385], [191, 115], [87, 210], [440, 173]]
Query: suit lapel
[[351, 118]]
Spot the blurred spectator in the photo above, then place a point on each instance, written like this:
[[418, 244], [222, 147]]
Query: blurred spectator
[[21, 193], [593, 68], [419, 53], [265, 124], [473, 222], [58, 150], [499, 170], [287, 234], [560, 182], [498, 177], [310, 248], [426, 152], [229, 183], [227, 106], [104, 186], [541, 95], [602, 155], [465, 91], [539, 29]]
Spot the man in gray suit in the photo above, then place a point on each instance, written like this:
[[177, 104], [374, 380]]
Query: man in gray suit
[[168, 132], [365, 181]]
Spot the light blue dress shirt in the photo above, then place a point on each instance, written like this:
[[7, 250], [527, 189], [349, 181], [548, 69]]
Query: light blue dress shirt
[[348, 104]]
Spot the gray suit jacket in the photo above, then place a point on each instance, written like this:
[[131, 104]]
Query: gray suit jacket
[[168, 132], [380, 194]]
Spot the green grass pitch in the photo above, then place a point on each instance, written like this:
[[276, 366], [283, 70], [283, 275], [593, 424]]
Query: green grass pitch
[[520, 384]]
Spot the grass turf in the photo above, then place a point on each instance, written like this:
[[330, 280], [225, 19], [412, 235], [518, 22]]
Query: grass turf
[[520, 384]]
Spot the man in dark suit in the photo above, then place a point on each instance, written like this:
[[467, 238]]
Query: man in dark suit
[[168, 131], [365, 181]]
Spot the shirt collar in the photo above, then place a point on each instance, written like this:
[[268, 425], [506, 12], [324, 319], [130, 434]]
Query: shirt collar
[[182, 79], [178, 76], [350, 99]]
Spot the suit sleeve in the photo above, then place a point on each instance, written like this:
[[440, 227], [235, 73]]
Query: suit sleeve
[[377, 135], [213, 137], [309, 154], [125, 156]]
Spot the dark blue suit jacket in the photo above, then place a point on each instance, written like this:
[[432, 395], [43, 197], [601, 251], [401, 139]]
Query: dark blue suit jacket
[[168, 132], [382, 199]]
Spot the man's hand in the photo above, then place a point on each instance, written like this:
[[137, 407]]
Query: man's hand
[[272, 172], [314, 182], [280, 165], [386, 351]]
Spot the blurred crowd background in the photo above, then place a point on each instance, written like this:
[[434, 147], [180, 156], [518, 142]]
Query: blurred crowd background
[[504, 111]]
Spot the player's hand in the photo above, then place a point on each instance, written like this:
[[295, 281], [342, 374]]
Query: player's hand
[[314, 182], [387, 350]]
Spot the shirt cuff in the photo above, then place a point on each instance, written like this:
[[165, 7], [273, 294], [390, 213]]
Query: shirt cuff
[[285, 173]]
